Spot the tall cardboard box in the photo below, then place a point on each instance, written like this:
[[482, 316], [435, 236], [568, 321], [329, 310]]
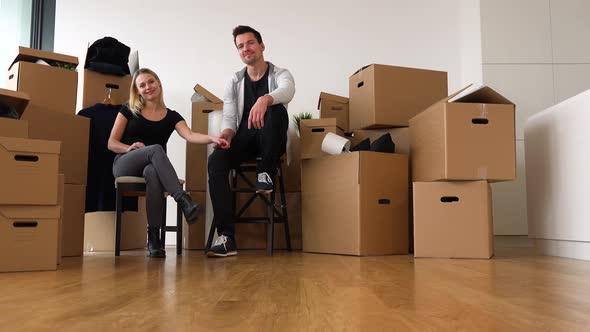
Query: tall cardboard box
[[73, 220], [399, 136], [470, 138], [74, 133], [333, 106], [50, 86], [453, 219], [99, 229], [355, 204], [193, 236], [28, 171], [28, 237], [312, 134], [388, 96], [97, 86], [196, 154]]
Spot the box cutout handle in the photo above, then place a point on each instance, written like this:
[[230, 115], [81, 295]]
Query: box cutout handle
[[112, 86], [206, 111], [318, 130], [449, 199], [337, 108], [20, 157], [480, 121], [360, 84], [11, 76], [25, 224], [384, 201]]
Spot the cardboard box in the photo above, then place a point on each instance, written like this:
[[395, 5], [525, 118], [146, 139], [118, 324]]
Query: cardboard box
[[15, 100], [194, 236], [333, 106], [28, 237], [14, 128], [388, 96], [95, 88], [60, 202], [74, 133], [355, 204], [453, 219], [400, 137], [99, 229], [312, 134], [471, 138], [50, 87], [295, 231], [28, 171], [73, 221], [196, 154]]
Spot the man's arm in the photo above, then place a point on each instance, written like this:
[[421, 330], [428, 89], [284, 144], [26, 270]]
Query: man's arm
[[230, 107], [285, 90]]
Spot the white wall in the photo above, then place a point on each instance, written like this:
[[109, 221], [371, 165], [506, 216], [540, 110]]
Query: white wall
[[15, 24], [321, 42]]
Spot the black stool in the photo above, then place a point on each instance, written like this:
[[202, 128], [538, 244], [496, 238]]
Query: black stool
[[134, 186], [273, 214]]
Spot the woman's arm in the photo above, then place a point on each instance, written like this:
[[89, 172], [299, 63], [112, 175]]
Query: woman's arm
[[115, 144], [190, 136]]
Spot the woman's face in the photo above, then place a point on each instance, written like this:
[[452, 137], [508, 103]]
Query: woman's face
[[148, 87]]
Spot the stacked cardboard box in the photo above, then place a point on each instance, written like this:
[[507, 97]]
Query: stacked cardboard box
[[458, 146]]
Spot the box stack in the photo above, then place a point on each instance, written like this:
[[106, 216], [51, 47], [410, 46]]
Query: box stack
[[29, 210], [458, 145], [51, 81]]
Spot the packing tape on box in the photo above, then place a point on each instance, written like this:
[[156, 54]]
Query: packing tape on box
[[483, 111], [334, 144], [482, 173]]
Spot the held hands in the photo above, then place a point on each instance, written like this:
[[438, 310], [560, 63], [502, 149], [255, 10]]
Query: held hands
[[256, 118], [219, 142], [135, 146]]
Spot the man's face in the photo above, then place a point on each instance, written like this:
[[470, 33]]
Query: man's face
[[249, 48]]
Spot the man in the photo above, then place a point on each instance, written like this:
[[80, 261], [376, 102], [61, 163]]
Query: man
[[255, 123]]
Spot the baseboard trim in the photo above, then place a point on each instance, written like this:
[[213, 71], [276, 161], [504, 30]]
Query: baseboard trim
[[563, 248]]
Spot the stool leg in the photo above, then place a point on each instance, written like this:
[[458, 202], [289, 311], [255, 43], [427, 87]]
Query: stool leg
[[179, 226], [119, 208]]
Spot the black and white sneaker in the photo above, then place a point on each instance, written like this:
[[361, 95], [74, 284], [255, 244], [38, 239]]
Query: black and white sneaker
[[264, 183], [223, 247]]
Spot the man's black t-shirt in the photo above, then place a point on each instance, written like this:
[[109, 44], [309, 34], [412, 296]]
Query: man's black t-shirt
[[252, 91], [140, 129]]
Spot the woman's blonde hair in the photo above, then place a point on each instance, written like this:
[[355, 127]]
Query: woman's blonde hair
[[136, 102]]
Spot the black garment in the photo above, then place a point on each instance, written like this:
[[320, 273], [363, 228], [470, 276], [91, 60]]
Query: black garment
[[140, 129], [100, 184], [108, 56], [269, 142], [252, 91]]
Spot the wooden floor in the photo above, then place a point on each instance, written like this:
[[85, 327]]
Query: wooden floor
[[515, 291]]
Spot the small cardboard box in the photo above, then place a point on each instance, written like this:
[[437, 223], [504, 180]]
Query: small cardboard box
[[28, 171], [99, 229], [96, 86], [196, 154], [388, 96], [312, 134], [333, 106], [49, 86], [399, 136], [74, 133], [28, 237], [453, 219], [355, 204], [193, 236], [73, 220], [470, 138]]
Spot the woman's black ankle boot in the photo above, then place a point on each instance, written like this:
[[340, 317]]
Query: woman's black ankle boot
[[154, 245], [189, 208]]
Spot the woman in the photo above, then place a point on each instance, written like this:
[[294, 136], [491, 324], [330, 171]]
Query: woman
[[139, 138]]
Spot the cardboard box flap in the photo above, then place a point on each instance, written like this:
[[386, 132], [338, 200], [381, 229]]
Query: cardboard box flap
[[13, 144], [313, 123], [480, 94], [329, 96], [201, 92], [32, 55], [12, 212], [16, 99]]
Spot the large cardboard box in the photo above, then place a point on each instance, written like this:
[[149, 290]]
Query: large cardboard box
[[389, 96], [399, 136], [193, 236], [50, 86], [453, 219], [470, 138], [73, 220], [99, 229], [355, 204], [28, 237], [96, 87], [28, 171], [333, 106], [196, 154], [72, 130], [312, 134]]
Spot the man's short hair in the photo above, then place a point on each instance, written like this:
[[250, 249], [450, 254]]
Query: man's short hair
[[242, 29]]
